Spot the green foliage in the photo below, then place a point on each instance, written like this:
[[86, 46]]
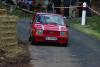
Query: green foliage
[[91, 22], [94, 23], [92, 26]]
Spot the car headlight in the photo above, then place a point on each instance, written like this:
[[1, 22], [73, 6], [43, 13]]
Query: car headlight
[[39, 32], [63, 33]]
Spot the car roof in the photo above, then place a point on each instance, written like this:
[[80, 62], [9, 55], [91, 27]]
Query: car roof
[[48, 14]]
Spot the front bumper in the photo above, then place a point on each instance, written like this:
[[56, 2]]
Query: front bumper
[[60, 40]]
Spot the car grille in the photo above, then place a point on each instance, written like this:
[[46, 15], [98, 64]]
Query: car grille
[[51, 33]]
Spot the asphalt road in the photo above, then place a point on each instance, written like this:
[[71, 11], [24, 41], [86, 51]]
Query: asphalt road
[[83, 50]]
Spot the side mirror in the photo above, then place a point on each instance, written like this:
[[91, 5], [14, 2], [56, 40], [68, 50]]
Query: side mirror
[[67, 26]]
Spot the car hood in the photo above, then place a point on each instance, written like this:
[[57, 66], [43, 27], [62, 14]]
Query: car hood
[[51, 27]]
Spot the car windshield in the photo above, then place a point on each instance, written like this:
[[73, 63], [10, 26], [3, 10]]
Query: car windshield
[[50, 19]]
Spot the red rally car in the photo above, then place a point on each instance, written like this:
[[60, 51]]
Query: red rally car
[[47, 27]]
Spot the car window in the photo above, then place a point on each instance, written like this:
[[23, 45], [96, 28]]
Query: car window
[[34, 18], [50, 19], [53, 19], [40, 19]]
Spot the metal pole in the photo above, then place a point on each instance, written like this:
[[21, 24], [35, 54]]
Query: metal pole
[[84, 14]]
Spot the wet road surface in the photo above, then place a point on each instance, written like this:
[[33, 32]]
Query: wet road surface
[[83, 50]]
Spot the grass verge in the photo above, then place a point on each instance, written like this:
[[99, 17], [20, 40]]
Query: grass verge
[[92, 26]]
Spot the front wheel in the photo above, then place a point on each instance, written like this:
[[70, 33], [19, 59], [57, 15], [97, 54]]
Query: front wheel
[[65, 45], [31, 39]]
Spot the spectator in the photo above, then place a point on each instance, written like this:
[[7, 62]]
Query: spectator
[[57, 3], [49, 7], [45, 4], [39, 7], [32, 5], [11, 4], [72, 10], [66, 10]]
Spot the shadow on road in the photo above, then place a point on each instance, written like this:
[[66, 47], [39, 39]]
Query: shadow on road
[[51, 44]]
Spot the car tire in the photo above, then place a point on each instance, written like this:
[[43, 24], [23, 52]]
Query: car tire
[[31, 39], [65, 45]]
